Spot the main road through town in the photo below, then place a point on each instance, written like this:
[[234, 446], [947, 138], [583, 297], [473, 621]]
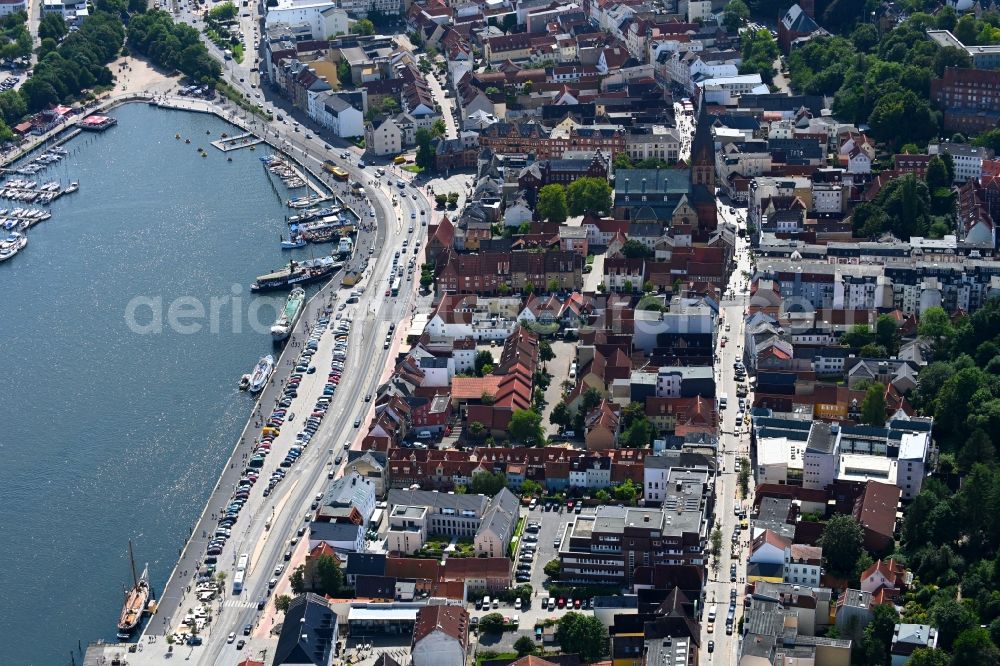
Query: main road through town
[[733, 444], [267, 525]]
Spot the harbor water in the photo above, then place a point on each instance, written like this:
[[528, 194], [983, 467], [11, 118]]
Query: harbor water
[[115, 428]]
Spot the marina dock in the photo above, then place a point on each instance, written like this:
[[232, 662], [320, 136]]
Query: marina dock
[[244, 140]]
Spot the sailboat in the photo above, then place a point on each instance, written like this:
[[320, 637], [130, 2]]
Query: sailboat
[[136, 600]]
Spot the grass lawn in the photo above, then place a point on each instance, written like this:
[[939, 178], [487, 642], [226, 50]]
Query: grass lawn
[[487, 655], [413, 168]]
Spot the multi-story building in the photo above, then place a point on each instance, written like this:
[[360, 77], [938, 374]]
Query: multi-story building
[[386, 138], [815, 454], [14, 6], [485, 272], [569, 137], [416, 514], [968, 159], [653, 142], [605, 548], [986, 56], [440, 636], [348, 498], [970, 99]]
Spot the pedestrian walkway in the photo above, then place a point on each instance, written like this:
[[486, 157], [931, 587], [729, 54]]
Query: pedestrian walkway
[[238, 603]]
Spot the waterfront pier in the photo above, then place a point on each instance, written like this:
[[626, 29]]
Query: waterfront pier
[[244, 140]]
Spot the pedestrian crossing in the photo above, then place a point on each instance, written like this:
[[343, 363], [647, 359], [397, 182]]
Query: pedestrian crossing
[[238, 603]]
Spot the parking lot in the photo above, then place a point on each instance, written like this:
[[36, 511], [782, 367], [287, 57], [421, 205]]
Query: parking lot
[[551, 523]]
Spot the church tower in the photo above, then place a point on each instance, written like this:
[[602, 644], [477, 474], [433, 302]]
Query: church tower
[[703, 151], [702, 183]]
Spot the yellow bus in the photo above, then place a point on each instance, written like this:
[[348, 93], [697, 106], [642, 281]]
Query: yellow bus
[[337, 172]]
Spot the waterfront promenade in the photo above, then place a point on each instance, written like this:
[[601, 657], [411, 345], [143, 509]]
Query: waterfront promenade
[[367, 360]]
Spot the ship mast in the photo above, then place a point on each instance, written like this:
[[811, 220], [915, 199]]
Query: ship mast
[[131, 559]]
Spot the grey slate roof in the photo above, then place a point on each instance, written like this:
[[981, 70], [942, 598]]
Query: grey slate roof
[[307, 632], [430, 498]]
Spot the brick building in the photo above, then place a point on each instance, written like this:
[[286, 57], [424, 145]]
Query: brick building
[[970, 99]]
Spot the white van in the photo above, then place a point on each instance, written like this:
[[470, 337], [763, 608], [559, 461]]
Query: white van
[[424, 434], [711, 613]]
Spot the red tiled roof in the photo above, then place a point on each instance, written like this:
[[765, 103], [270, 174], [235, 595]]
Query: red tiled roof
[[451, 620], [472, 388]]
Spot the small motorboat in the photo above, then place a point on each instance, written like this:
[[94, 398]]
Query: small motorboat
[[293, 243], [245, 382]]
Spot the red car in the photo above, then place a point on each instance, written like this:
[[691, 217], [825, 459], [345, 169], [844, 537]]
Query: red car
[[576, 603], [561, 603]]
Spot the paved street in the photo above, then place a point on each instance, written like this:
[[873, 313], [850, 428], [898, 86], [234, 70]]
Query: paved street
[[733, 447], [446, 103]]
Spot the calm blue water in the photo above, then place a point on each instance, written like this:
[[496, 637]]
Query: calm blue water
[[108, 434]]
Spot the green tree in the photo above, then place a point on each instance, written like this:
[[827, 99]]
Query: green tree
[[531, 488], [296, 579], [978, 448], [583, 635], [859, 336], [865, 37], [363, 27], [735, 15], [952, 618], [47, 45], [716, 541], [873, 406], [966, 30], [526, 426], [52, 26], [759, 51], [634, 249], [842, 545], [281, 602], [873, 351], [491, 623], [902, 116], [552, 568], [425, 152], [887, 333], [949, 56], [439, 128], [626, 491], [560, 415], [524, 646], [638, 434], [622, 160], [477, 429], [989, 139], [483, 359], [928, 657], [551, 203], [488, 483], [743, 478], [937, 174], [545, 353], [878, 635], [323, 575], [935, 323], [224, 11], [588, 195]]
